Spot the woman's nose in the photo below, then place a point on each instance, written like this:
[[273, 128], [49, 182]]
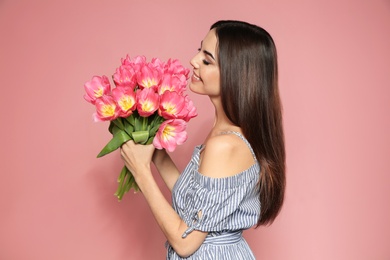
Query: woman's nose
[[194, 62]]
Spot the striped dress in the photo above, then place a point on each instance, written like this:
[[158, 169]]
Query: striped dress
[[224, 207]]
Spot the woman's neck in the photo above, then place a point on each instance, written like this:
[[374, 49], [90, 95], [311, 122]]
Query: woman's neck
[[222, 122]]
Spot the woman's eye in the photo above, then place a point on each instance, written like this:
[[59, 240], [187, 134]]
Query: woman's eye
[[205, 62]]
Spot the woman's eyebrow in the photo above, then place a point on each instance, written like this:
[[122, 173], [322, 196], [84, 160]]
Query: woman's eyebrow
[[207, 52]]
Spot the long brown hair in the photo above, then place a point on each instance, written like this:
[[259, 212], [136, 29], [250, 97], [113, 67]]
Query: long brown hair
[[250, 98]]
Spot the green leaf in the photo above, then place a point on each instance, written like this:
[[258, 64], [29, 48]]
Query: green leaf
[[118, 122], [153, 131], [113, 129], [140, 137], [111, 126], [119, 138], [155, 126]]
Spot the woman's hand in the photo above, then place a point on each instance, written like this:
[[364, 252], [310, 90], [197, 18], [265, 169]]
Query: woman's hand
[[137, 157]]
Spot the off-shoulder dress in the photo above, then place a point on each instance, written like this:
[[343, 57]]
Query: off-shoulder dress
[[223, 207]]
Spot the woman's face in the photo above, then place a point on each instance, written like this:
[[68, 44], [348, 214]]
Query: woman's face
[[205, 79]]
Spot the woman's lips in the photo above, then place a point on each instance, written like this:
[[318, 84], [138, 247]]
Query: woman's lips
[[195, 77]]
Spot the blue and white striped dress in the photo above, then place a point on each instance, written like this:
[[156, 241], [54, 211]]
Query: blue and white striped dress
[[224, 207]]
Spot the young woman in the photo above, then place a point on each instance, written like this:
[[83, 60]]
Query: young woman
[[236, 178]]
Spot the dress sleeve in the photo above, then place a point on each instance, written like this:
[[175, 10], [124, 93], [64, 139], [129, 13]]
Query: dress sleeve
[[218, 204]]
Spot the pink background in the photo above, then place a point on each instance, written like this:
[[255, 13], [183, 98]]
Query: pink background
[[56, 198]]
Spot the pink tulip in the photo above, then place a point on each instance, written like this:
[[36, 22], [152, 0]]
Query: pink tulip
[[190, 109], [149, 76], [124, 76], [139, 60], [158, 64], [125, 99], [173, 66], [126, 61], [147, 102], [172, 83], [96, 88], [136, 60], [136, 63], [172, 105], [170, 134], [106, 109]]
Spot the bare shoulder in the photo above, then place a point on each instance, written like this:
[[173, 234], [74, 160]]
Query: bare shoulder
[[225, 155], [222, 141]]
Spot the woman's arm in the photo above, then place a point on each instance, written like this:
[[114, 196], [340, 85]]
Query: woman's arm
[[137, 159], [166, 167]]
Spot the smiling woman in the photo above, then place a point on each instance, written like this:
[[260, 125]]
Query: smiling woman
[[241, 164]]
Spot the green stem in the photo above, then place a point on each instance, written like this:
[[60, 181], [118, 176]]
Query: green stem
[[144, 123], [121, 183]]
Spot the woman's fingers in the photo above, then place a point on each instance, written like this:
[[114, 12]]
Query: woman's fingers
[[136, 154]]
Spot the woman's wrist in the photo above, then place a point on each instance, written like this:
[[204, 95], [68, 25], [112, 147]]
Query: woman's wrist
[[158, 156], [144, 181]]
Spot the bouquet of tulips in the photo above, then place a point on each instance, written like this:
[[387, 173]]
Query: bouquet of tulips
[[147, 105]]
